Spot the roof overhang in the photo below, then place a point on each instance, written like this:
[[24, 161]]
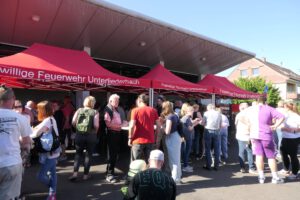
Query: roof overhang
[[116, 34]]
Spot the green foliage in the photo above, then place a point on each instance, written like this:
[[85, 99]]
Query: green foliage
[[257, 85]]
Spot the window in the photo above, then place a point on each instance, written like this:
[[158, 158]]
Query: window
[[255, 72], [291, 88], [244, 73]]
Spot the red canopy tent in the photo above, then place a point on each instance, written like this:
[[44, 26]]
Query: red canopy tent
[[163, 79], [48, 67], [223, 87]]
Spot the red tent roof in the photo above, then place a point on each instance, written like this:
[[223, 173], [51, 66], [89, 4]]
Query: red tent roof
[[161, 78], [47, 64], [222, 86]]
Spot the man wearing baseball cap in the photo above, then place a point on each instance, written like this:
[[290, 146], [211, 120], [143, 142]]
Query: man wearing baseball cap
[[153, 183]]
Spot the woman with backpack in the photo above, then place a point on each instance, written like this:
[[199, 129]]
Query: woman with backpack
[[49, 151], [86, 123]]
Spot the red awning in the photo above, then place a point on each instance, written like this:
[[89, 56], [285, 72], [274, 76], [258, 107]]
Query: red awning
[[222, 86], [42, 65], [161, 78]]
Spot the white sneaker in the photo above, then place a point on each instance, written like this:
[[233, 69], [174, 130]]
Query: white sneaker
[[277, 180], [292, 177], [284, 172], [188, 169], [252, 171], [261, 180]]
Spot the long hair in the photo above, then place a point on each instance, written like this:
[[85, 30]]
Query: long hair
[[184, 109], [167, 108], [44, 109]]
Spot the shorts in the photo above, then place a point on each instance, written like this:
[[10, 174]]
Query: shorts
[[263, 147], [10, 181]]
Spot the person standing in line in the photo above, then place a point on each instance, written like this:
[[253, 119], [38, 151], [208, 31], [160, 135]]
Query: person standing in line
[[212, 121], [141, 129], [198, 139], [152, 183], [30, 109], [25, 154], [188, 131], [47, 174], [260, 118], [172, 140], [13, 126], [278, 136], [244, 142], [59, 118], [290, 142], [113, 123], [223, 137], [68, 110], [86, 121]]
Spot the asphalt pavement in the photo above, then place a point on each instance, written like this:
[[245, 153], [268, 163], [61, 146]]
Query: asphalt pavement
[[228, 183]]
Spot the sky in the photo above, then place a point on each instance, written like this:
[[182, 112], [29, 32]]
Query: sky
[[267, 28]]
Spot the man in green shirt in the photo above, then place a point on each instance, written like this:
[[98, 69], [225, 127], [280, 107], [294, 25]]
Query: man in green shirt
[[153, 183]]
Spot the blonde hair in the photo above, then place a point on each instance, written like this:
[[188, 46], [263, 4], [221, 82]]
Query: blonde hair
[[190, 108], [167, 108], [44, 109], [184, 109], [89, 102]]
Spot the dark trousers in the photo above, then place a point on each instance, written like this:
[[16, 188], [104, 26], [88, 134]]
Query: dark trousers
[[84, 142], [113, 143], [141, 151], [289, 148]]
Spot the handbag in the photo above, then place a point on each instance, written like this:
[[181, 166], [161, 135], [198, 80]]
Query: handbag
[[47, 142]]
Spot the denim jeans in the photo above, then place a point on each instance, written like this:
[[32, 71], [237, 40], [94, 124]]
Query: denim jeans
[[212, 136], [223, 142], [47, 174], [244, 146], [187, 147]]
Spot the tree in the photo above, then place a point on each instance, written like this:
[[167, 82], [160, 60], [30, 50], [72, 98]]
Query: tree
[[258, 85]]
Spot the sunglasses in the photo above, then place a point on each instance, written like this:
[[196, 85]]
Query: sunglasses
[[18, 106]]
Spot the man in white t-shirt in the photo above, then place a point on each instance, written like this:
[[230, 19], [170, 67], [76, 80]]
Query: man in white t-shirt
[[14, 130], [212, 121]]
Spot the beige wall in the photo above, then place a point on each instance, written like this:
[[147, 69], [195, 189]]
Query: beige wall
[[279, 80], [266, 72]]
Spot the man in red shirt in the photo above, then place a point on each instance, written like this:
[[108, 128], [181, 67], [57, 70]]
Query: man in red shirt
[[141, 135]]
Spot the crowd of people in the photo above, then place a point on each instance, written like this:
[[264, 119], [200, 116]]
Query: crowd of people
[[161, 140]]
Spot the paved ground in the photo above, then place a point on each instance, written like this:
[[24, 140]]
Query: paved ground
[[227, 183]]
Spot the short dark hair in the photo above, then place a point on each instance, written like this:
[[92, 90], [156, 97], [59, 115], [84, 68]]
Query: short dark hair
[[262, 99], [6, 93], [144, 98]]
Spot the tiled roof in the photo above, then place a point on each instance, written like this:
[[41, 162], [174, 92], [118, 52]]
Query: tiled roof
[[284, 71]]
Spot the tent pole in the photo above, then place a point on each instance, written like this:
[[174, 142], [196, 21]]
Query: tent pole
[[213, 99], [151, 97]]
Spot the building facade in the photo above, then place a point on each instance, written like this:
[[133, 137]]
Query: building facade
[[287, 81]]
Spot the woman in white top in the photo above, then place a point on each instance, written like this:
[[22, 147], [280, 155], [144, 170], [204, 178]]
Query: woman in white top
[[47, 160], [290, 141]]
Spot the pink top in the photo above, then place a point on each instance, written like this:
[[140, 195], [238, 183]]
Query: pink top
[[115, 123], [68, 110]]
